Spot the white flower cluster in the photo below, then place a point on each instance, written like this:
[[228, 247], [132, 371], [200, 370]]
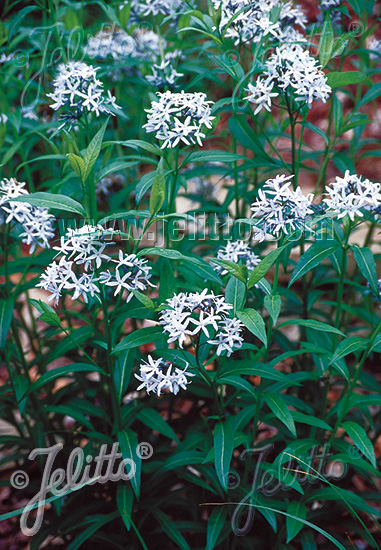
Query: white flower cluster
[[164, 74], [86, 247], [157, 375], [106, 184], [3, 118], [77, 86], [279, 208], [196, 313], [179, 117], [236, 251], [290, 68], [115, 43], [37, 223], [253, 19], [157, 7], [375, 47], [351, 195]]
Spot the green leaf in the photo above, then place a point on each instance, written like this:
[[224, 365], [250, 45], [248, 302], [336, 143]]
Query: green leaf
[[59, 372], [223, 451], [310, 323], [78, 165], [295, 510], [167, 287], [214, 156], [122, 370], [326, 41], [158, 190], [93, 150], [16, 20], [143, 299], [169, 527], [216, 523], [311, 258], [139, 337], [155, 421], [316, 130], [203, 269], [361, 440], [184, 458], [6, 314], [48, 315], [97, 524], [254, 322], [129, 446], [235, 294], [252, 368], [337, 79], [238, 382], [347, 346], [370, 95], [310, 420], [239, 271], [124, 501], [140, 144], [367, 266], [52, 200], [266, 263], [273, 305], [280, 409]]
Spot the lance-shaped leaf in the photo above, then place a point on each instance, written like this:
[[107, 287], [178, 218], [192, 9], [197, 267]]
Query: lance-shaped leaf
[[312, 258], [280, 409], [223, 451], [367, 266]]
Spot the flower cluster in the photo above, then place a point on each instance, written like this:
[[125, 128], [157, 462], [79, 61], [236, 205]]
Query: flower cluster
[[292, 69], [375, 46], [334, 13], [77, 86], [179, 117], [196, 313], [115, 43], [173, 8], [279, 208], [85, 247], [36, 222], [130, 273], [164, 74], [157, 375], [352, 194], [236, 251], [248, 20]]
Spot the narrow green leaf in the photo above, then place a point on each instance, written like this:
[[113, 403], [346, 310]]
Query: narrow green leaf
[[97, 524], [266, 263], [59, 372], [337, 79], [311, 258], [155, 421], [310, 323], [326, 41], [76, 162], [280, 409], [361, 440], [235, 294], [158, 190], [93, 150], [169, 527], [216, 523], [139, 337], [124, 501], [373, 92], [295, 510], [254, 322], [52, 200], [367, 266], [223, 451], [273, 305], [129, 449], [347, 346], [6, 314]]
